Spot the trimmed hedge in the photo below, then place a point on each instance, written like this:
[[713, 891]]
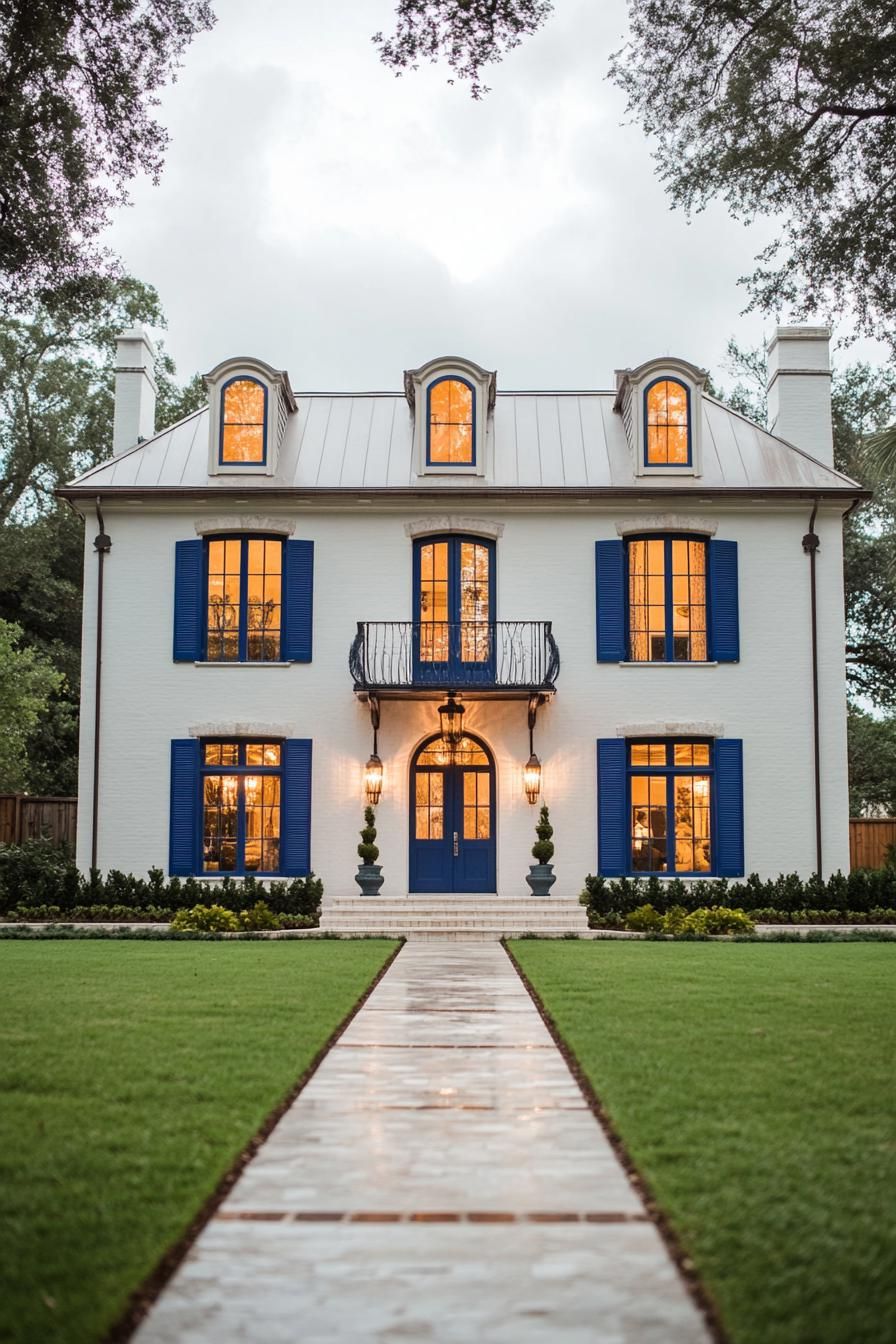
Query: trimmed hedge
[[866, 892], [38, 875]]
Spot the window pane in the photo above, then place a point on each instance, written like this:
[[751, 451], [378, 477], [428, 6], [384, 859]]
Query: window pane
[[263, 600], [433, 602], [689, 600], [648, 823], [242, 443], [474, 602], [262, 753], [667, 423], [692, 824], [242, 421], [223, 620], [219, 823]]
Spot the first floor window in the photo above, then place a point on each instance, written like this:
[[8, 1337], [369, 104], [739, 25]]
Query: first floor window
[[670, 806], [244, 582], [241, 807]]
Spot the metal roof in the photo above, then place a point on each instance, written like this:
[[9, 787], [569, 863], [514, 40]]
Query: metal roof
[[537, 441]]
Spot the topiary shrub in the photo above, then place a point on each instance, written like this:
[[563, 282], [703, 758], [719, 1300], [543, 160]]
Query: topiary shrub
[[646, 919], [367, 850], [205, 919], [543, 849]]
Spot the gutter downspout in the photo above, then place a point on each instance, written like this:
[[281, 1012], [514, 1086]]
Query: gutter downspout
[[102, 543], [811, 543]]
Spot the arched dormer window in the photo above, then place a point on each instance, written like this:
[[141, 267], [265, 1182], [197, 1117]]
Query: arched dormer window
[[249, 407], [667, 424], [244, 417], [450, 420], [660, 404], [452, 400]]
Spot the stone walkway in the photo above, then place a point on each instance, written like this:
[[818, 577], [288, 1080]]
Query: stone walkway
[[441, 1178]]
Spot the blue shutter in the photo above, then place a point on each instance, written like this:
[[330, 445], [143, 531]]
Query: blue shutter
[[182, 828], [612, 831], [189, 600], [610, 584], [298, 594], [295, 809], [723, 610], [729, 756]]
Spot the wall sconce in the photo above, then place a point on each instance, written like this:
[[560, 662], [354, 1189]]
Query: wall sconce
[[532, 778], [451, 716], [373, 779]]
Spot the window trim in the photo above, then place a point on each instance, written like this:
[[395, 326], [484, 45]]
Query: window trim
[[244, 538], [241, 770], [243, 378], [469, 465], [670, 771], [667, 538], [667, 466]]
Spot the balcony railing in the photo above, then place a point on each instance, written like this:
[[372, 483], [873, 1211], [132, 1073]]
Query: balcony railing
[[491, 656]]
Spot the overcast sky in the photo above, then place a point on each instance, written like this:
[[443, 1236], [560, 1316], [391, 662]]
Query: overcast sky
[[345, 225]]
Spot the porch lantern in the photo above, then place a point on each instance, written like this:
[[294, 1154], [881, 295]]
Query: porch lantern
[[532, 778], [451, 718], [373, 779]]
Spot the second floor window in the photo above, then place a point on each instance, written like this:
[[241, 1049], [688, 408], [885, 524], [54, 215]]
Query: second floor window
[[451, 406], [244, 576], [244, 405], [667, 600]]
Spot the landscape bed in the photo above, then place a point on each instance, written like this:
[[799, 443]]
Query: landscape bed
[[133, 1075], [753, 1087]]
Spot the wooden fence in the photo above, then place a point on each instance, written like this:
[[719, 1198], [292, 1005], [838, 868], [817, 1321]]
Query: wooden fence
[[869, 839], [25, 816]]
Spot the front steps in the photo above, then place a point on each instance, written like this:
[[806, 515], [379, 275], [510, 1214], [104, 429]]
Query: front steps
[[484, 918]]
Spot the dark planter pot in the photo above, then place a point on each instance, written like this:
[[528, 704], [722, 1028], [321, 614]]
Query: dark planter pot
[[369, 878], [541, 878]]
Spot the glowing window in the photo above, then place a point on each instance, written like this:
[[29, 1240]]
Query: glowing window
[[451, 406], [667, 600], [243, 599], [439, 752], [240, 807], [667, 432], [670, 807], [244, 404]]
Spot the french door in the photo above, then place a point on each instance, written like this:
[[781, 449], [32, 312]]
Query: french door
[[454, 611], [452, 822]]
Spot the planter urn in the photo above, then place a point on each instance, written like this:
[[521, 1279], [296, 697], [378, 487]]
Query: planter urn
[[541, 878], [369, 878]]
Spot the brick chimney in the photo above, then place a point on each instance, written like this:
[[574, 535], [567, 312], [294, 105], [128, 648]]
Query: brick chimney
[[799, 389], [135, 389]]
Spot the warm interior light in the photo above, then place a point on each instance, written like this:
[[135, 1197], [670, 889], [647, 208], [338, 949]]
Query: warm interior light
[[373, 779], [451, 716], [532, 778]]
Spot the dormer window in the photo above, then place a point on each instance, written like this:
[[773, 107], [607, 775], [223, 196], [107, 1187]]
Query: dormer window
[[244, 411], [667, 429], [661, 405], [450, 422], [452, 401], [249, 408]]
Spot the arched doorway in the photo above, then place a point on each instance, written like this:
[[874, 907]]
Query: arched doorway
[[452, 821]]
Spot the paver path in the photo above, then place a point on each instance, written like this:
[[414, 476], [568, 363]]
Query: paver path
[[441, 1178]]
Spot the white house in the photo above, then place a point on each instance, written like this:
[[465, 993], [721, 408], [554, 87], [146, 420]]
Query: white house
[[634, 596]]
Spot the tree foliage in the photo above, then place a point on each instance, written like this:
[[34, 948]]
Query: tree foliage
[[872, 764], [467, 34], [787, 108], [27, 681], [78, 84]]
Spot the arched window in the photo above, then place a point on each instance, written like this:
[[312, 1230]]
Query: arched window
[[244, 413], [667, 431], [451, 410]]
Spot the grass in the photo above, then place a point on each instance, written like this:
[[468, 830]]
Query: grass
[[753, 1085], [131, 1077]]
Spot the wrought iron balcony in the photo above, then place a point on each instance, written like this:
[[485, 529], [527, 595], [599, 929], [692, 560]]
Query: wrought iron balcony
[[493, 657]]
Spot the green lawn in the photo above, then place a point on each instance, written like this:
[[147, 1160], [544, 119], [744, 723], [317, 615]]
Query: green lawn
[[131, 1076], [755, 1088]]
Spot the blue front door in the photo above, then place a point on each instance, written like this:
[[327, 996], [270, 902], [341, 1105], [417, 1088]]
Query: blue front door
[[453, 612], [452, 821]]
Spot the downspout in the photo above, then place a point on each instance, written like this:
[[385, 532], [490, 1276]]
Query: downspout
[[102, 544], [811, 543]]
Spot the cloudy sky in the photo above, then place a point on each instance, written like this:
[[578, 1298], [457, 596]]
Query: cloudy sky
[[346, 225]]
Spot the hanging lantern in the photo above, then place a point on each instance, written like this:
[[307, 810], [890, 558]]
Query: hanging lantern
[[532, 778], [373, 779], [451, 718]]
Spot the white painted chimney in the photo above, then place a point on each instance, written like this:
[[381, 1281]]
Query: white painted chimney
[[135, 389], [799, 389]]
